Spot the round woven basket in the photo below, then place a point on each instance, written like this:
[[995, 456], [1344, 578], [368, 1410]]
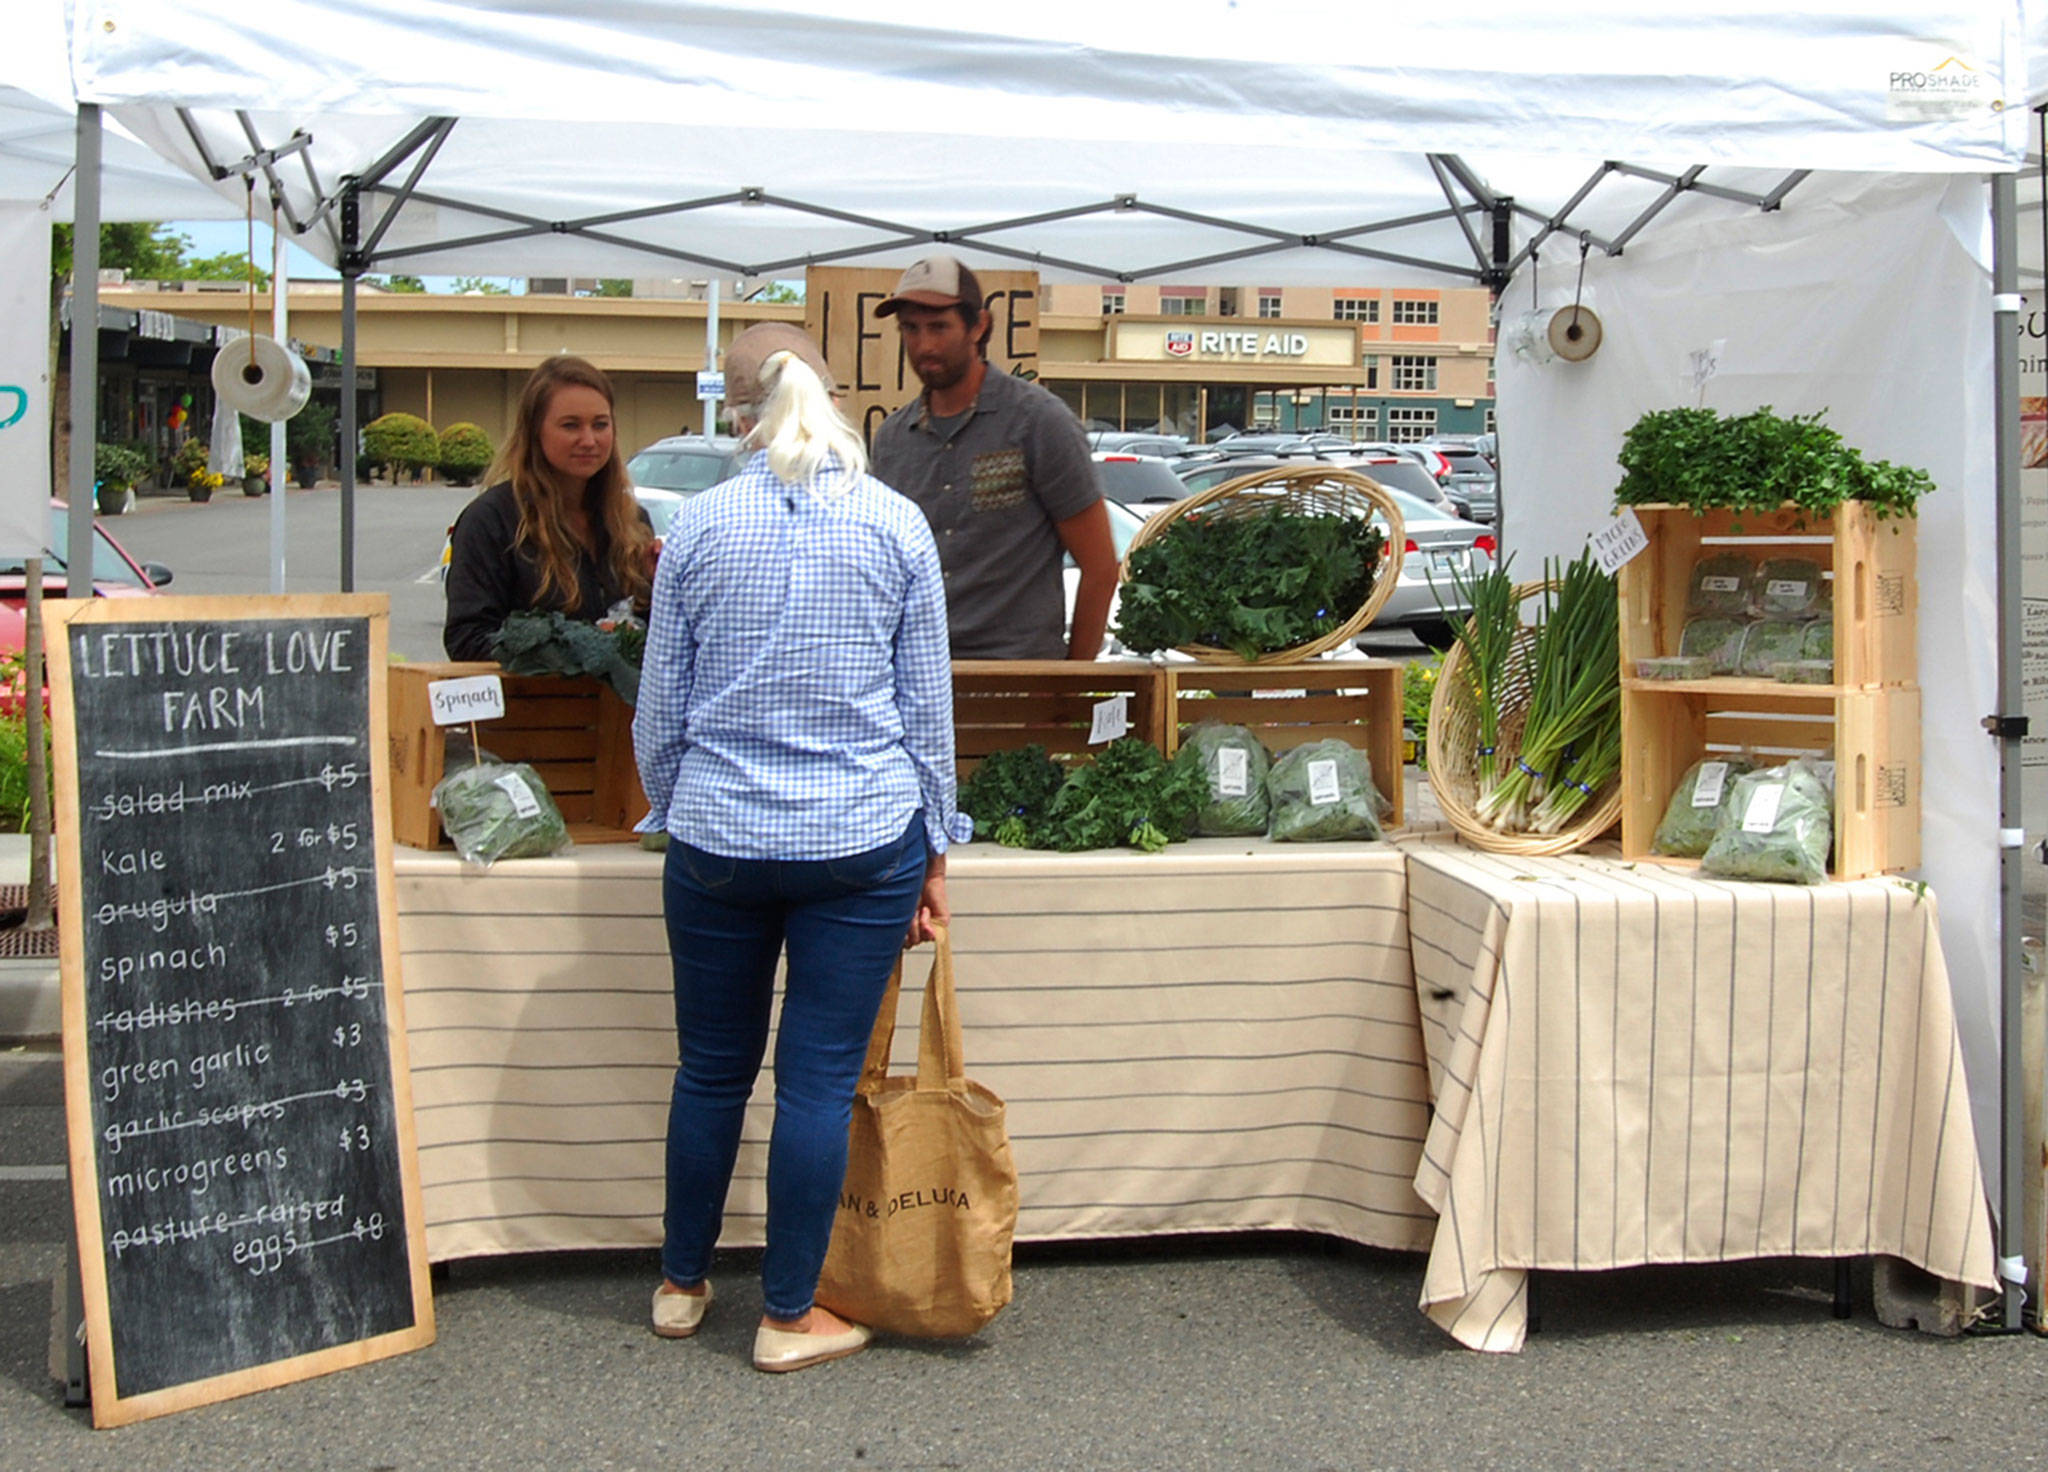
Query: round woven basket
[[1453, 744], [1306, 490]]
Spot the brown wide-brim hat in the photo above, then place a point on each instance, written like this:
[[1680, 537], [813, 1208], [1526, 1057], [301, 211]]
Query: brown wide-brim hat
[[756, 346], [935, 281]]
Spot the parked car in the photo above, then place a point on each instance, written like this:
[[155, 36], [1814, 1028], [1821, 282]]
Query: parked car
[[1395, 473], [1138, 442], [115, 574], [1124, 522], [685, 464], [660, 505], [1439, 543], [1134, 479]]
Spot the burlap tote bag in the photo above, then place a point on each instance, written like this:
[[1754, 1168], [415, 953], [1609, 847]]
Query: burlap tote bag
[[921, 1243]]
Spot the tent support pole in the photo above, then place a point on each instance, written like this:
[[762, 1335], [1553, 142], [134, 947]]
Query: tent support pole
[[85, 352], [2009, 729], [351, 269]]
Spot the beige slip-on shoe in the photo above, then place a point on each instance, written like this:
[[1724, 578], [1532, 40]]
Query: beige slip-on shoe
[[780, 1350], [677, 1315]]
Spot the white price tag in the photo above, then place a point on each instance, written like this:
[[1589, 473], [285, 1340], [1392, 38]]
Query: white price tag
[[522, 796], [1720, 585], [1322, 783], [1233, 772], [1111, 719], [1706, 788], [1762, 814], [1785, 588], [1618, 541], [710, 383], [473, 698]]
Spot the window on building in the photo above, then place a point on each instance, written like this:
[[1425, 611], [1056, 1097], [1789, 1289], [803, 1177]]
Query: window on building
[[1413, 313], [1183, 306], [1356, 309], [1414, 374], [1112, 302], [1489, 423], [1405, 426], [1269, 304], [1360, 421], [1372, 372]]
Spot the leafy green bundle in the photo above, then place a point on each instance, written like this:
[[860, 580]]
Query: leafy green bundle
[[1233, 765], [1009, 794], [1129, 794], [1323, 790], [1755, 462], [554, 644], [499, 810], [1777, 824], [1251, 584]]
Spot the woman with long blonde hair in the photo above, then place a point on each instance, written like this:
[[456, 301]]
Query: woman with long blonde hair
[[558, 529], [795, 740]]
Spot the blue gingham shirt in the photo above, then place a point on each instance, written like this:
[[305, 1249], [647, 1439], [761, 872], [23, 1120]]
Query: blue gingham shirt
[[796, 695]]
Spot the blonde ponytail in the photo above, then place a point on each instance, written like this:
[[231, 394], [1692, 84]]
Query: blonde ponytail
[[800, 427]]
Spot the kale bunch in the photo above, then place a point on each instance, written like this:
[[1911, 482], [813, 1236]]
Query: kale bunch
[[1009, 794], [553, 644], [1129, 794], [1251, 584], [1754, 462]]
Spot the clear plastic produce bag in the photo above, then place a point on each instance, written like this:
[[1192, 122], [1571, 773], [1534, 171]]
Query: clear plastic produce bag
[[499, 810], [1235, 763], [1322, 791]]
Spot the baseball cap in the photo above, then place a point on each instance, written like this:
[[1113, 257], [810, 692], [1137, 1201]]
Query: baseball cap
[[756, 346], [935, 281]]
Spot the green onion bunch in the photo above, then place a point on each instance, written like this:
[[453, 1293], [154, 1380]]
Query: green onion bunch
[[1571, 735], [1485, 638]]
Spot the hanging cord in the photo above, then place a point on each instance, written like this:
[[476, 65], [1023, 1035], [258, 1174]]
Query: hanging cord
[[251, 373], [2042, 114], [1579, 291]]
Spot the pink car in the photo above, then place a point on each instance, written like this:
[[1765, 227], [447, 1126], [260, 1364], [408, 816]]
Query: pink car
[[115, 574]]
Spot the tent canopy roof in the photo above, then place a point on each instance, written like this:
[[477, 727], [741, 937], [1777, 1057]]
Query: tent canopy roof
[[1217, 141]]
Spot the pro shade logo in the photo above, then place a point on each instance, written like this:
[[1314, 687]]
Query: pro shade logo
[[1180, 344], [1951, 88]]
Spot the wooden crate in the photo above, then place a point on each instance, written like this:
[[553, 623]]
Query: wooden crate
[[577, 734], [1870, 562], [1874, 736], [1002, 704], [1357, 701]]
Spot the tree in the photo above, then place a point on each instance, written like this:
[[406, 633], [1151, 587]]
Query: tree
[[151, 252], [613, 286], [479, 286], [403, 285], [780, 291]]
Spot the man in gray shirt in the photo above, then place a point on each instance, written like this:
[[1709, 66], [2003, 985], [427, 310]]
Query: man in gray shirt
[[1001, 470]]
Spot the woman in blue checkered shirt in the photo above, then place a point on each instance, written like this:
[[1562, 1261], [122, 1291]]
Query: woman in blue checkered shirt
[[795, 739]]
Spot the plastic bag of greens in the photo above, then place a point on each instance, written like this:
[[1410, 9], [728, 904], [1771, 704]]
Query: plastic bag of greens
[[1718, 639], [499, 810], [1235, 764], [1694, 811], [1778, 825], [1321, 791], [1769, 643], [1720, 585]]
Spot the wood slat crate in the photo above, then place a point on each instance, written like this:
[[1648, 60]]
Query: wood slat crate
[[1874, 736], [577, 734], [1356, 701], [1871, 563], [1002, 704]]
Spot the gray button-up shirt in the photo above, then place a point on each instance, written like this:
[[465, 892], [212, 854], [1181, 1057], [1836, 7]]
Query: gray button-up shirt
[[993, 492]]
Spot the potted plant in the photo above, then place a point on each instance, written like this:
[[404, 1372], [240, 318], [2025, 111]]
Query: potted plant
[[191, 466], [309, 441], [255, 475], [116, 468]]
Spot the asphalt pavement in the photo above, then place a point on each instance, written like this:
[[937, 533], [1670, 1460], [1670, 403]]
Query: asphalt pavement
[[1253, 1351]]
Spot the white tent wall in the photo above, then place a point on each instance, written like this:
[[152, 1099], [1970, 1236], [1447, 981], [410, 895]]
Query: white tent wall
[[1870, 299]]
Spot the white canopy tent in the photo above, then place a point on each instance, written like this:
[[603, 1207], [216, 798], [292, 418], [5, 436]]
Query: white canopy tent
[[1217, 141]]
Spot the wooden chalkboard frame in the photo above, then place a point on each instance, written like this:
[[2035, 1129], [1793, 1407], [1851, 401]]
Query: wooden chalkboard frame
[[110, 1407]]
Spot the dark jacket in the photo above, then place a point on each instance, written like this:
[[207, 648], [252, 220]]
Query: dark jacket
[[490, 578]]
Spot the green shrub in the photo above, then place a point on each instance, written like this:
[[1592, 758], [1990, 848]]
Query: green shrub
[[404, 442], [119, 465], [189, 464], [309, 439], [14, 746], [465, 453]]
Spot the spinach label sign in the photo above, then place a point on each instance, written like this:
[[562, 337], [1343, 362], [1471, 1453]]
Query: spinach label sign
[[244, 1181]]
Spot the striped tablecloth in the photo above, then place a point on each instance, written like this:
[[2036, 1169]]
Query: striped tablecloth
[[1634, 1065], [1220, 1037]]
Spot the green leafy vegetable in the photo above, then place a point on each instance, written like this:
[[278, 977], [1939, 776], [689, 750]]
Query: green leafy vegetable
[[1756, 462], [1129, 794], [1790, 841], [1323, 790], [1233, 765], [554, 644], [1009, 794], [499, 810], [1251, 584], [1689, 824]]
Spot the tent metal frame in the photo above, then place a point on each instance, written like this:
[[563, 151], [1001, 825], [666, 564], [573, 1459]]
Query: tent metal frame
[[1466, 196]]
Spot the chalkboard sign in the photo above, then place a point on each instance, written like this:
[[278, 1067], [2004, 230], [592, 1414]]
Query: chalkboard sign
[[240, 1111]]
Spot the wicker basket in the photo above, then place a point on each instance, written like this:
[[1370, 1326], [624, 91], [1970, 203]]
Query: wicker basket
[[1306, 490], [1454, 755]]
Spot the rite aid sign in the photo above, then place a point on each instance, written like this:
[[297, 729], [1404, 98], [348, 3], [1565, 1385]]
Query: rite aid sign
[[1237, 344], [1156, 342]]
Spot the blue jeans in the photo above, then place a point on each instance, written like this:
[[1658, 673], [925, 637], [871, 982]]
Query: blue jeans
[[843, 921]]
